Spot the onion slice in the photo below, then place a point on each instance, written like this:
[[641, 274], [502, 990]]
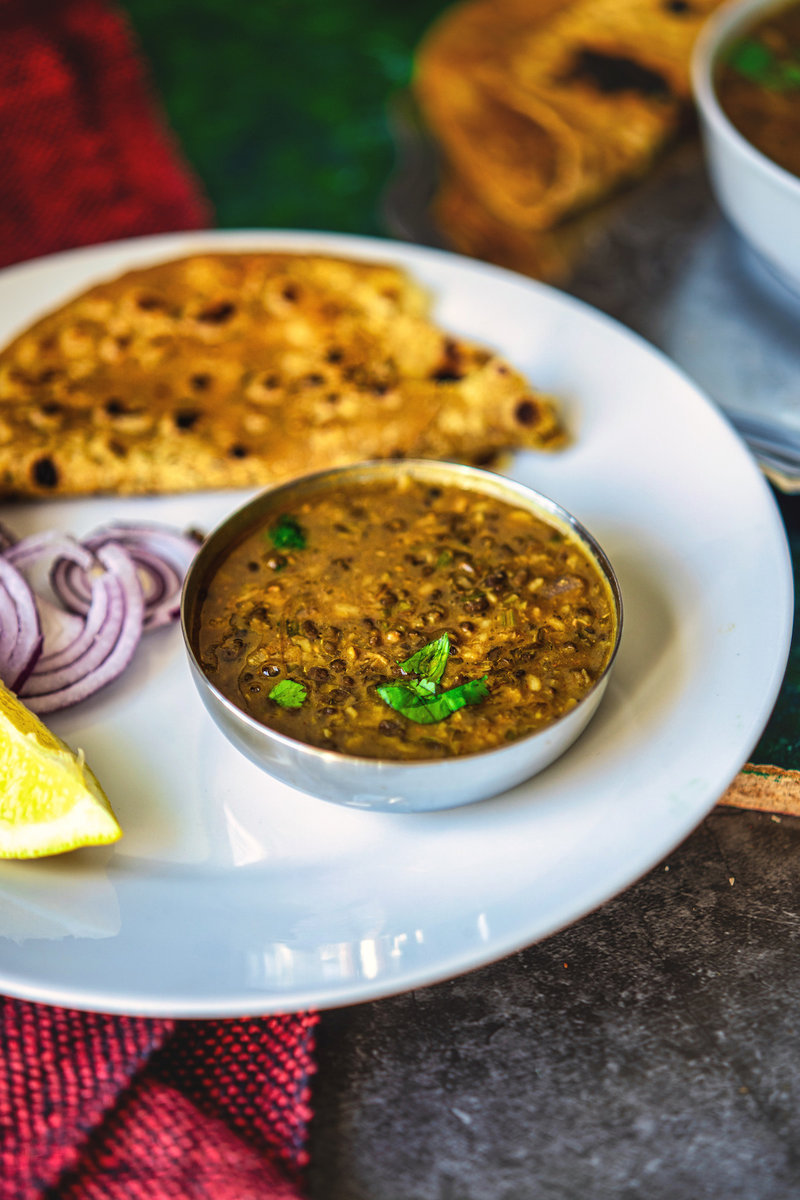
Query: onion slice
[[20, 627], [112, 632], [121, 580], [7, 537], [162, 556]]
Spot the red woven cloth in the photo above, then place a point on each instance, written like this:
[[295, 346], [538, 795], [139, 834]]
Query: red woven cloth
[[86, 156], [95, 1106]]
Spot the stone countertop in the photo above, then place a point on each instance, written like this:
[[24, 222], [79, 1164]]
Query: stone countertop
[[650, 1050]]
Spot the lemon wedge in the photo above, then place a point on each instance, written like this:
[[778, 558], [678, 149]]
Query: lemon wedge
[[50, 801]]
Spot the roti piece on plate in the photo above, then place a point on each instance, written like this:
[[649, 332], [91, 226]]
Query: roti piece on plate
[[561, 103], [239, 370]]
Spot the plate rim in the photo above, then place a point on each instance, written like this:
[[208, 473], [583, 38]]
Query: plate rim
[[324, 996]]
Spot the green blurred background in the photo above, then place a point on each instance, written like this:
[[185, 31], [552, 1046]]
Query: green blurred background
[[281, 105]]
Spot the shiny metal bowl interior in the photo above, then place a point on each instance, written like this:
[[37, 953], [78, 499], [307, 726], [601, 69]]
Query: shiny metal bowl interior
[[383, 784]]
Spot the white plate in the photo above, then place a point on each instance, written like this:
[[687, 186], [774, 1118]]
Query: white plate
[[232, 894]]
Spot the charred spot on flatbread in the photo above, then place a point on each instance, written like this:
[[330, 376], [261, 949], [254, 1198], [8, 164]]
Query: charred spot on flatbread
[[44, 473], [611, 73]]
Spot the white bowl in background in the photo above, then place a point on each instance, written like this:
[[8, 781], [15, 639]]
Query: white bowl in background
[[761, 199]]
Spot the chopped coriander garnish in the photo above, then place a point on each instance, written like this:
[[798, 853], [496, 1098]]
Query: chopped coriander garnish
[[423, 687], [758, 63], [430, 661], [420, 699], [752, 59], [287, 533], [427, 709], [288, 693]]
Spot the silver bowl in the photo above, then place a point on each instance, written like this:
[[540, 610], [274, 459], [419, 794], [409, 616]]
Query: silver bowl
[[382, 784]]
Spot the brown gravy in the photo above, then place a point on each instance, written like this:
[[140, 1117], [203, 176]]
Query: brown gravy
[[332, 598], [758, 86]]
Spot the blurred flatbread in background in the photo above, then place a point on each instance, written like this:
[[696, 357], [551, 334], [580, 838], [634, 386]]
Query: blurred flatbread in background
[[542, 110], [550, 254], [485, 139]]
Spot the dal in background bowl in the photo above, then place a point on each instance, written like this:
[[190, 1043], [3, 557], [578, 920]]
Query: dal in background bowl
[[384, 784], [761, 199]]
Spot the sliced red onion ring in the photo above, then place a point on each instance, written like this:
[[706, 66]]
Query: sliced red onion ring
[[162, 556], [7, 538], [36, 547], [112, 632], [125, 578], [71, 586], [59, 627], [84, 630], [20, 628], [29, 555]]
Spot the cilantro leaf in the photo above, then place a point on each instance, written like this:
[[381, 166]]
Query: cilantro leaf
[[427, 709], [430, 661], [288, 693], [759, 64], [407, 692], [752, 59], [791, 74], [420, 699], [423, 687], [399, 696], [287, 533]]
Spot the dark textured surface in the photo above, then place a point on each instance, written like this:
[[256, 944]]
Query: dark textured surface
[[649, 1051]]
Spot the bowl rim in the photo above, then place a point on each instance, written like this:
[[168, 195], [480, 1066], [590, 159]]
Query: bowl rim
[[493, 481], [726, 23]]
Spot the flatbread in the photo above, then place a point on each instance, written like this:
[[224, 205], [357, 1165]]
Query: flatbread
[[545, 108], [239, 370], [549, 254]]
